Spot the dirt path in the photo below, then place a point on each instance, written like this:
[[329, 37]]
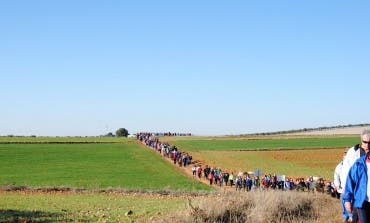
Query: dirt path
[[187, 170]]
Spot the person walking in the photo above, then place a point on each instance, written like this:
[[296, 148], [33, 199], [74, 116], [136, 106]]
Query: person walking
[[339, 187], [226, 177], [357, 190], [352, 155], [231, 179]]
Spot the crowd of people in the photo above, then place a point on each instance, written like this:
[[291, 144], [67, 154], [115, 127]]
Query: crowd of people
[[151, 140], [161, 134], [241, 181], [246, 181], [351, 176]]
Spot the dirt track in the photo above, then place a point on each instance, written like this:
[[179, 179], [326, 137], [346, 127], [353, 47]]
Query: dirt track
[[187, 170]]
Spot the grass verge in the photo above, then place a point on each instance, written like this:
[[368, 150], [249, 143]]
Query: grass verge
[[92, 166]]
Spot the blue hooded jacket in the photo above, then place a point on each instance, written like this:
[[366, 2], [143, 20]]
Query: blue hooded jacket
[[356, 183]]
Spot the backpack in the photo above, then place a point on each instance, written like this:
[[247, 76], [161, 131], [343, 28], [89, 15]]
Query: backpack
[[356, 147]]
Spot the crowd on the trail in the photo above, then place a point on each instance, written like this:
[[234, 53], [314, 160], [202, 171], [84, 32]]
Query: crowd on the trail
[[178, 157], [247, 181], [241, 181], [351, 176], [161, 134]]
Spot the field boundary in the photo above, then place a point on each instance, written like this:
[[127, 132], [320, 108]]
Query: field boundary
[[122, 191]]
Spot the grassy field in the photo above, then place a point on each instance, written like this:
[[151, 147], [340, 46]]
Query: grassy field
[[65, 207], [128, 166], [19, 139], [227, 144]]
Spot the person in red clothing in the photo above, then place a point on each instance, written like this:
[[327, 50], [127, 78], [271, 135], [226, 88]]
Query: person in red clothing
[[199, 171]]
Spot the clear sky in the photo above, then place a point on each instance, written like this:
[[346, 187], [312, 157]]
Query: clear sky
[[205, 67]]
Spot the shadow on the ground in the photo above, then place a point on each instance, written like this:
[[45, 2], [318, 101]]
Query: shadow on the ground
[[7, 216]]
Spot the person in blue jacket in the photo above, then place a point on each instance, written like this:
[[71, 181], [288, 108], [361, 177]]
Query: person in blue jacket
[[357, 189]]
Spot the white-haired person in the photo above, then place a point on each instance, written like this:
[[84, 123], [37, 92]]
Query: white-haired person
[[352, 155], [357, 190]]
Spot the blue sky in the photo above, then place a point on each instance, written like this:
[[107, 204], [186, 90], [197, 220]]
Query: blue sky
[[205, 67]]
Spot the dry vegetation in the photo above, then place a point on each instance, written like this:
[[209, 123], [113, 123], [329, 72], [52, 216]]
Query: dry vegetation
[[259, 207]]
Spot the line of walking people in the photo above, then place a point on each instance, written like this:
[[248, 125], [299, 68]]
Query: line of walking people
[[178, 157], [351, 176], [242, 181], [246, 181]]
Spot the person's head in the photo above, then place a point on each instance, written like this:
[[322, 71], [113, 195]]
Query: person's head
[[365, 139], [344, 154]]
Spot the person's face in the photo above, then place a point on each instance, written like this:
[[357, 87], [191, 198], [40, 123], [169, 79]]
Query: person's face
[[365, 143]]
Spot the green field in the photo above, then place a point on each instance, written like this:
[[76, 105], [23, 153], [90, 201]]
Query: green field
[[55, 207], [227, 144], [28, 139], [127, 165], [93, 163]]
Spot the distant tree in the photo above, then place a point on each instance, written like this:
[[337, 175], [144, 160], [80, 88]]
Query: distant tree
[[122, 132], [109, 134]]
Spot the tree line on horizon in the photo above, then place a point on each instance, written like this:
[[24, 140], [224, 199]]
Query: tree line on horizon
[[121, 132]]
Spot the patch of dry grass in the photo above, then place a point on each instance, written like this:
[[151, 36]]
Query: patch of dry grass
[[260, 207]]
